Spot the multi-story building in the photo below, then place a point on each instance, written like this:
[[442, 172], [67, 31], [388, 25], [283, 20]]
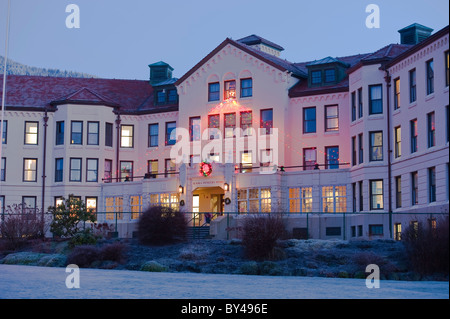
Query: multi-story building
[[244, 131]]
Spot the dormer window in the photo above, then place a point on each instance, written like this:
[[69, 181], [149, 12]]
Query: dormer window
[[161, 96], [230, 90], [330, 75], [316, 77]]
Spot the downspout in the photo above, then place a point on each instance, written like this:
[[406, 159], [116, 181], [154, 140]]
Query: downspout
[[387, 78], [118, 121], [43, 168]]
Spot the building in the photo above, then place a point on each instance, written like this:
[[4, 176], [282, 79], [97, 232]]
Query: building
[[244, 131]]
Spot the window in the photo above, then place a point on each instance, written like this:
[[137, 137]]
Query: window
[[107, 171], [109, 134], [246, 87], [332, 157], [330, 75], [398, 191], [414, 188], [59, 169], [432, 184], [397, 231], [353, 106], [397, 142], [353, 150], [334, 199], [354, 198], [331, 118], [361, 148], [396, 93], [360, 103], [31, 133], [431, 129], [413, 126], [153, 135], [447, 69], [230, 90], [28, 204], [126, 136], [152, 167], [361, 196], [300, 200], [91, 204], [375, 99], [194, 128], [29, 169], [376, 230], [246, 123], [76, 133], [376, 146], [93, 129], [333, 231], [3, 170], [214, 91], [126, 171], [309, 158], [170, 133], [5, 132], [376, 194], [169, 168], [114, 207], [75, 170], [246, 162], [59, 133], [135, 206], [2, 207], [229, 124], [412, 86], [254, 200], [167, 200], [172, 95], [430, 76], [316, 77], [266, 121], [309, 120], [92, 170], [161, 96], [214, 126]]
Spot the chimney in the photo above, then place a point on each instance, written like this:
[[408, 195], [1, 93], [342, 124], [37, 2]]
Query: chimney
[[415, 33]]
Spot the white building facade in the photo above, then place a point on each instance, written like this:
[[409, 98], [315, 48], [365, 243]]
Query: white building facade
[[347, 147]]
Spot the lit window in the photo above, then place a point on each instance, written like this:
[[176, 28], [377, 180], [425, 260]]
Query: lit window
[[76, 134], [334, 199], [396, 93], [376, 146], [31, 133], [246, 162], [126, 171], [126, 136], [91, 204], [376, 194], [29, 170], [300, 200], [230, 90], [398, 142]]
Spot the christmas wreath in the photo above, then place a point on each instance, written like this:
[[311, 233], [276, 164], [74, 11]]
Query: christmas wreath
[[205, 169]]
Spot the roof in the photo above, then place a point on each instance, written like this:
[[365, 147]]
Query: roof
[[327, 60], [302, 88], [161, 63], [39, 92], [270, 59], [255, 39], [419, 46], [417, 26]]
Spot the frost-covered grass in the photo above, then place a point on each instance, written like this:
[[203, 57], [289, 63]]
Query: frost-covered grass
[[306, 258]]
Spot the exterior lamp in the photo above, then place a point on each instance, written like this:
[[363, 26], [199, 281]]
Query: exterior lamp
[[180, 189], [226, 187]]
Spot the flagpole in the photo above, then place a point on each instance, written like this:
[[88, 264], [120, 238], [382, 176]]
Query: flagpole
[[4, 94]]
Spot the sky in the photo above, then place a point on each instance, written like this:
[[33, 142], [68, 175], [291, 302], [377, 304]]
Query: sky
[[119, 39]]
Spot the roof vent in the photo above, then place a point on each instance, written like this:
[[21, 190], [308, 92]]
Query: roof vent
[[160, 72], [262, 44], [415, 33]]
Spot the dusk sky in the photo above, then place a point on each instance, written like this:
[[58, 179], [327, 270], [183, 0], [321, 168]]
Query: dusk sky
[[118, 39]]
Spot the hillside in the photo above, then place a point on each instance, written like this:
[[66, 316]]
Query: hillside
[[17, 68]]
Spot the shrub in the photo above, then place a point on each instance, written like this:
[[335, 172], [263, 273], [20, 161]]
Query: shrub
[[19, 226], [113, 252], [83, 256], [427, 248], [68, 216], [153, 266], [161, 225], [85, 237], [260, 236]]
